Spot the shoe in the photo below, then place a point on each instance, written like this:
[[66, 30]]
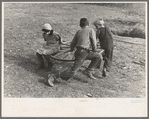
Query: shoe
[[89, 74], [50, 80], [40, 67]]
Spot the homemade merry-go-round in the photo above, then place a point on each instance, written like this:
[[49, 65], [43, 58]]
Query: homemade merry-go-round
[[63, 61]]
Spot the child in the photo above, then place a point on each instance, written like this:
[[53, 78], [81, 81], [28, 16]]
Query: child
[[52, 46], [85, 43], [106, 42]]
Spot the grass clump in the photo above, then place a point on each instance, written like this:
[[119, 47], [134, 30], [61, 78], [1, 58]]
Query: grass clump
[[136, 31]]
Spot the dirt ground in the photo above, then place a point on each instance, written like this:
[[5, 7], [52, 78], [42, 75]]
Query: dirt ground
[[22, 37]]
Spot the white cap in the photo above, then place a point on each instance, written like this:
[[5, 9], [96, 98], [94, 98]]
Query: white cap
[[99, 22], [47, 26]]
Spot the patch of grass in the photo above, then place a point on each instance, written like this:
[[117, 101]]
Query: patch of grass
[[126, 27], [130, 8], [137, 33], [137, 30]]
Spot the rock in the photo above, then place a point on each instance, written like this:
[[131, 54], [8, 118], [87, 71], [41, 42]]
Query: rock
[[130, 67], [7, 66], [89, 95], [85, 96], [124, 67]]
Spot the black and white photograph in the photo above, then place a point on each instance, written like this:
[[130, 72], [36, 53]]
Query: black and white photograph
[[74, 59]]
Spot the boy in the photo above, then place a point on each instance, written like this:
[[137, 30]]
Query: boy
[[52, 46], [85, 43], [106, 42]]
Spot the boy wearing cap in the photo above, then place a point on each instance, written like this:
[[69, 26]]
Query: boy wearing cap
[[106, 42], [52, 46], [85, 43]]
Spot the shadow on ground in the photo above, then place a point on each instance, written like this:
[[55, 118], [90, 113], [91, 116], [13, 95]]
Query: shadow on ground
[[29, 64]]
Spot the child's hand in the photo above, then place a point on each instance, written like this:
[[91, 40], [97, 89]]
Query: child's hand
[[40, 51]]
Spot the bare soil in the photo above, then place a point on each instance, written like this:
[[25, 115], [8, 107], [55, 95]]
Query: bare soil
[[23, 35]]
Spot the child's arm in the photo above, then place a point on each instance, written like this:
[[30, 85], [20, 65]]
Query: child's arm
[[93, 40]]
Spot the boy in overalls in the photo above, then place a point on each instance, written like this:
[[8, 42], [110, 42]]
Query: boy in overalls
[[106, 42]]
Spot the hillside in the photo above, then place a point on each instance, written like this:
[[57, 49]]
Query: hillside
[[22, 37]]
